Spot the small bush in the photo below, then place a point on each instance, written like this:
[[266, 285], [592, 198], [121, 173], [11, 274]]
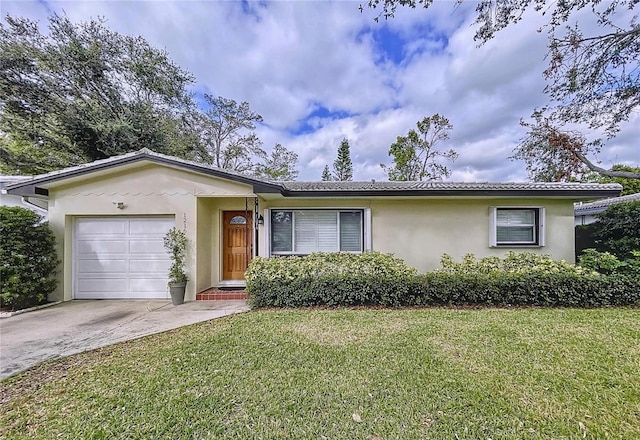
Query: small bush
[[513, 262], [28, 259], [607, 263], [328, 279]]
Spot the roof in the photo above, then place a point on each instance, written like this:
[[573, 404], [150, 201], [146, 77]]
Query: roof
[[602, 205], [449, 188], [38, 185]]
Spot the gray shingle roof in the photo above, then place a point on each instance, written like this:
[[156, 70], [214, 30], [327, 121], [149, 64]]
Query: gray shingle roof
[[602, 205], [446, 186]]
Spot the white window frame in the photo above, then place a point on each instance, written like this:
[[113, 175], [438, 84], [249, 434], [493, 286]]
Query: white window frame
[[366, 227], [539, 228]]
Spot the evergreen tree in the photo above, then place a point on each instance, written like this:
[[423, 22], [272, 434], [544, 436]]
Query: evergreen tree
[[326, 174], [342, 166]]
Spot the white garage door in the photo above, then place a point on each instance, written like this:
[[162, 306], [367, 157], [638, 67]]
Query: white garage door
[[120, 257]]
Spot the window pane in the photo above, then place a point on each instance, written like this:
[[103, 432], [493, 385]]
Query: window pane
[[351, 231], [281, 231], [327, 231], [316, 231], [522, 234], [515, 217]]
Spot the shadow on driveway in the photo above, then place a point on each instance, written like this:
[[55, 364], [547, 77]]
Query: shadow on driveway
[[76, 326]]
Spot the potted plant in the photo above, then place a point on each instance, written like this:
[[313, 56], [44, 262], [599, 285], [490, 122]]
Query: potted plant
[[176, 242]]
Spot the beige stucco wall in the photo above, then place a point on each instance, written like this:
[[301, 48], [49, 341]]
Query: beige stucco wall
[[146, 190], [420, 231]]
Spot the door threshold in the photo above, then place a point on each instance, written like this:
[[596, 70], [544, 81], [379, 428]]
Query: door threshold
[[226, 284]]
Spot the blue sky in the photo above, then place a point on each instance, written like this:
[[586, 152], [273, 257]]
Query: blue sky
[[322, 71]]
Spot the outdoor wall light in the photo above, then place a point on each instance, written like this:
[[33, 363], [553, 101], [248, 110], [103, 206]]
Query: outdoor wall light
[[119, 205], [260, 220]]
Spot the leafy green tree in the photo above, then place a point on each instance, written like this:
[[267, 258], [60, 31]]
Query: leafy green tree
[[280, 165], [618, 229], [629, 186], [227, 131], [415, 156], [592, 78], [83, 92], [342, 166], [326, 174]]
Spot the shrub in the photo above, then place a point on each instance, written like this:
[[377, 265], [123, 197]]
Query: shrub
[[607, 263], [28, 259], [513, 262], [550, 289], [328, 279]]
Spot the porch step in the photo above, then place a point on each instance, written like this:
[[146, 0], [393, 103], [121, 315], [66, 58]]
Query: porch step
[[214, 294]]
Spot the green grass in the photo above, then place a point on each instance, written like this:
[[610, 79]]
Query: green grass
[[347, 374]]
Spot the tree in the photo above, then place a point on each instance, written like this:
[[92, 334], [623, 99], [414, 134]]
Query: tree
[[553, 155], [227, 132], [280, 166], [592, 79], [618, 229], [82, 93], [629, 186], [326, 174], [342, 166], [415, 156]]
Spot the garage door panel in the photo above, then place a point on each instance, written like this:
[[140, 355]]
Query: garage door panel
[[157, 226], [147, 247], [102, 266], [146, 286], [102, 285], [149, 266], [101, 227], [119, 258], [101, 247]]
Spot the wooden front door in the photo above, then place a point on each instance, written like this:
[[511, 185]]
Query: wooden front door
[[237, 249]]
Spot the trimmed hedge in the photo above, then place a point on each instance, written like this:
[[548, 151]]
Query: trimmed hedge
[[378, 279], [28, 260], [330, 279]]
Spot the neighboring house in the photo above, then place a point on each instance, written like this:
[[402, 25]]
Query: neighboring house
[[110, 217], [585, 213], [37, 205]]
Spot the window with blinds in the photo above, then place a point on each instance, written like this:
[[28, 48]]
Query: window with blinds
[[306, 231], [517, 227]]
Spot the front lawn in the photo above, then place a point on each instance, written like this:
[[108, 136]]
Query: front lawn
[[347, 374]]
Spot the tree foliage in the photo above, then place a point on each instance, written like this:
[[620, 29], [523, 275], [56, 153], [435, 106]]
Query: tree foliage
[[415, 156], [553, 155], [82, 93], [592, 79], [342, 166], [629, 186], [280, 165], [618, 229]]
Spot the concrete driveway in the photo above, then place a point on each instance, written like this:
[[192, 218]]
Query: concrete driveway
[[76, 326]]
